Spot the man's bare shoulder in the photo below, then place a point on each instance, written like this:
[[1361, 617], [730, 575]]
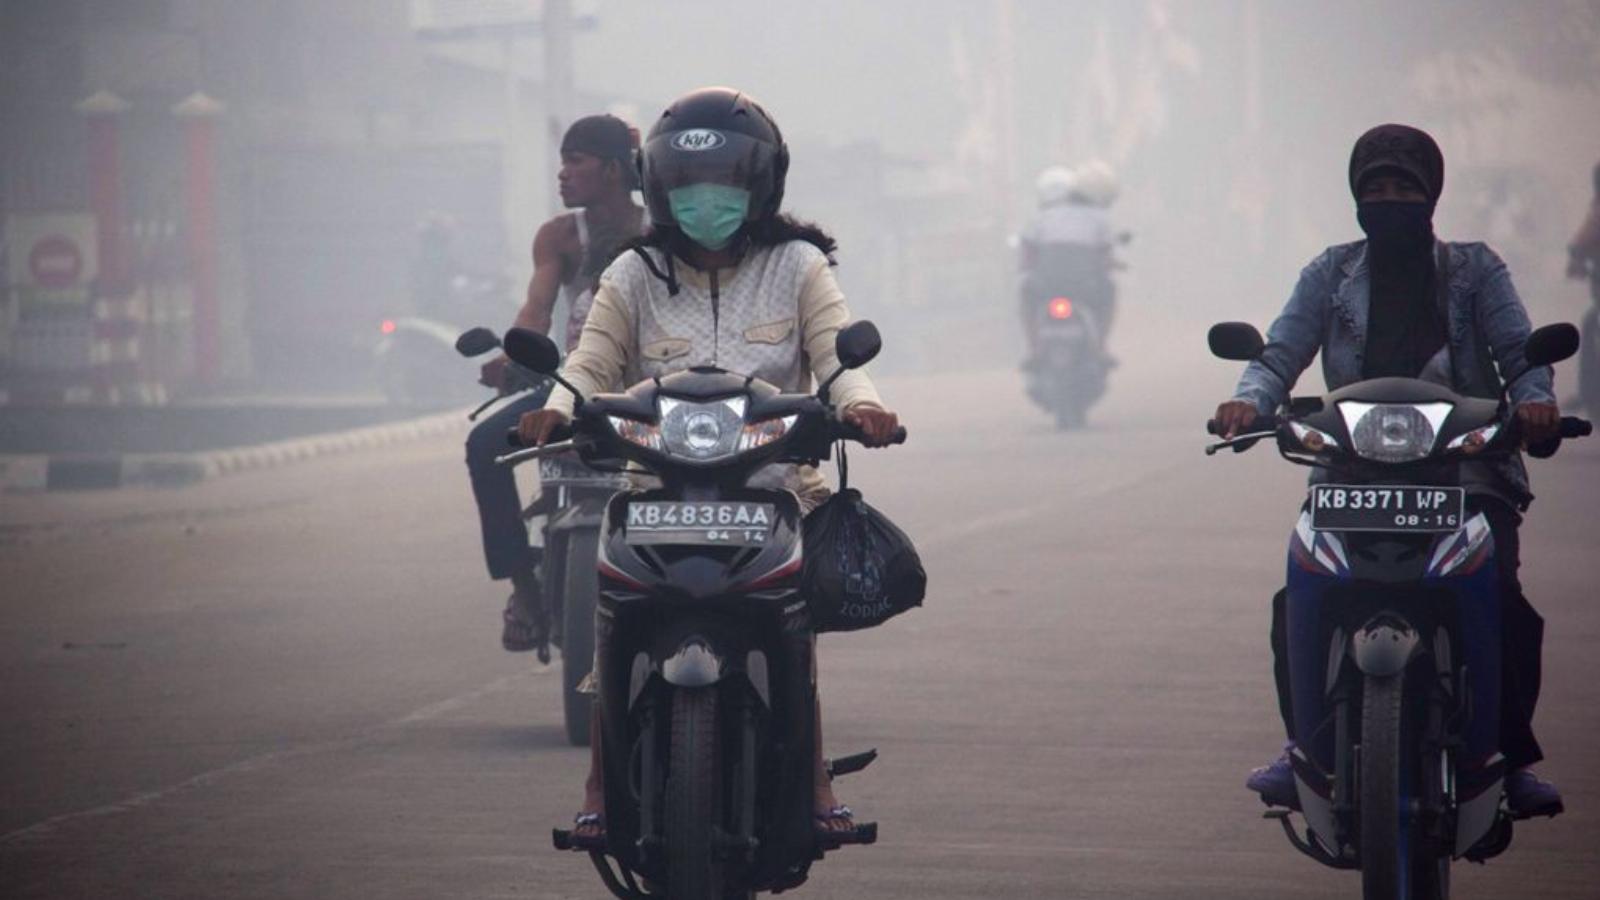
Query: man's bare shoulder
[[559, 233]]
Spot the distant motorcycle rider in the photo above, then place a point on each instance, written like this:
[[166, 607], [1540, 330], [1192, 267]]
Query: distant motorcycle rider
[[721, 279], [1373, 309], [1583, 251], [596, 180], [1069, 242], [1583, 262]]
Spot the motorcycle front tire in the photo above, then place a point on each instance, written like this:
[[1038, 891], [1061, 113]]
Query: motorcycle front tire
[[693, 801], [579, 591]]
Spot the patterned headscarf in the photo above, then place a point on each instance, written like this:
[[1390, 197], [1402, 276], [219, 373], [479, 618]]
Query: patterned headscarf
[[1410, 151]]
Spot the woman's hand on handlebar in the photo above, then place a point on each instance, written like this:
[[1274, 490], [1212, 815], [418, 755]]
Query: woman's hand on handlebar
[[1539, 422], [1234, 418], [534, 428], [877, 424]]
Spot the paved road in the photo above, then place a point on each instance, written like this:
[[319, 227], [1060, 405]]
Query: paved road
[[288, 683]]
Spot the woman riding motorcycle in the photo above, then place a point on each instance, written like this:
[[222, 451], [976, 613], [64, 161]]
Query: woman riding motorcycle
[[721, 279], [1386, 307]]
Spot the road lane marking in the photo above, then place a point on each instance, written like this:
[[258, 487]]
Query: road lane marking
[[272, 757]]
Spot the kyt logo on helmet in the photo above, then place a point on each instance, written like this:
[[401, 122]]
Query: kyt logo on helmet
[[697, 139]]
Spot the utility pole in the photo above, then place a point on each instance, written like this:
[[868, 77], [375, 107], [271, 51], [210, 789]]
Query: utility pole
[[559, 92]]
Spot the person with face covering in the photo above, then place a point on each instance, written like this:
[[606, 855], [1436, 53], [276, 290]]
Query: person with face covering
[[1403, 303], [722, 279]]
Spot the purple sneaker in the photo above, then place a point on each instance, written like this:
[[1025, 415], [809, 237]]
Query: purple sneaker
[[1527, 796], [1275, 781]]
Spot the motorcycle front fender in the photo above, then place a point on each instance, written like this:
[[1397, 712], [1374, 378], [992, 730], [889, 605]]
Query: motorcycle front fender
[[694, 664], [1384, 645]]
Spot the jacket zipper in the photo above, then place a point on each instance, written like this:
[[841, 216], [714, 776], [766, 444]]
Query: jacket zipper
[[716, 319]]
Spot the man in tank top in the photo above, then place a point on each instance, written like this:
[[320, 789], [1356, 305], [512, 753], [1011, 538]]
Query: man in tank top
[[596, 182]]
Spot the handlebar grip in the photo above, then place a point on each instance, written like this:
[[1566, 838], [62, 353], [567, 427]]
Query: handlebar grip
[[1259, 423], [562, 432], [846, 431], [1571, 427]]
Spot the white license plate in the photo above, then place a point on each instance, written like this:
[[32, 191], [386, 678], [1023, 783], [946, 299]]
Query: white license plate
[[725, 523], [1347, 507]]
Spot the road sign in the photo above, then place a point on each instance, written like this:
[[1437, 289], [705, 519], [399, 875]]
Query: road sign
[[50, 252]]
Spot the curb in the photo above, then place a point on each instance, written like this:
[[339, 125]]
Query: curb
[[53, 472]]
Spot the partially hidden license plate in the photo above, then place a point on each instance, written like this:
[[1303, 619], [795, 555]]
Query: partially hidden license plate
[[723, 523], [571, 470], [1344, 507]]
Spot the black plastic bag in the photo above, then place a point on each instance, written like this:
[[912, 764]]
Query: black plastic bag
[[860, 569]]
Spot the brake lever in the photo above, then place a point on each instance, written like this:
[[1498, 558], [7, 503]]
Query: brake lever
[[1239, 442], [522, 456]]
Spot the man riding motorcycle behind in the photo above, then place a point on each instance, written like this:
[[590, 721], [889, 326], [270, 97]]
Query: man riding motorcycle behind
[[721, 279], [1069, 242], [596, 181], [1402, 303]]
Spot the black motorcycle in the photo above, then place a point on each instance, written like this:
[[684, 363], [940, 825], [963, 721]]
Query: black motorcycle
[[1392, 619], [572, 500], [707, 696]]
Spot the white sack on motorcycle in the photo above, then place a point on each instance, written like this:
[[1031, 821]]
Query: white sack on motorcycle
[[860, 569]]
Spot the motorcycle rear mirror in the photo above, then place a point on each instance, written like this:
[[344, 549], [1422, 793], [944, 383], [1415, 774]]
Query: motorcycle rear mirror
[[857, 344], [1235, 340], [476, 342], [1551, 344], [533, 350]]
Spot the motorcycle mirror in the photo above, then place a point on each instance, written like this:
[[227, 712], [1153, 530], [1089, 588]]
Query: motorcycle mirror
[[1551, 344], [533, 350], [1235, 340], [857, 344], [476, 342]]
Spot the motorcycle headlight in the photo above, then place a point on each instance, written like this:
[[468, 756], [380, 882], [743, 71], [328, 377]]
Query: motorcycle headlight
[[1393, 432], [704, 432]]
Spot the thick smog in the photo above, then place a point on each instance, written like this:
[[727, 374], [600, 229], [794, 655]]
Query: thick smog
[[958, 448]]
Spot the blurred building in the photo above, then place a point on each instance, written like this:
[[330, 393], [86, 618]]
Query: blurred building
[[335, 132]]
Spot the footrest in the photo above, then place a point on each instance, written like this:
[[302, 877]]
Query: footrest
[[564, 839], [864, 833], [855, 762]]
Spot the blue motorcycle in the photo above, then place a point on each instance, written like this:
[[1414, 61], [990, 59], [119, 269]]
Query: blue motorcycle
[[1393, 622]]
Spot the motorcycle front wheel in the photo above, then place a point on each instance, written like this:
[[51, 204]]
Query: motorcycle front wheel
[[693, 800], [579, 591], [1397, 861]]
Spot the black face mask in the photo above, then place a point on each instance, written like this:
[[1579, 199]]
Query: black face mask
[[1393, 225]]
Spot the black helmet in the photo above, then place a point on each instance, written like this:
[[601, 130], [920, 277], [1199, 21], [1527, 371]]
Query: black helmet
[[716, 135]]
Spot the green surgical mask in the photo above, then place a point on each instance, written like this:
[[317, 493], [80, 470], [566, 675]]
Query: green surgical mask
[[709, 214]]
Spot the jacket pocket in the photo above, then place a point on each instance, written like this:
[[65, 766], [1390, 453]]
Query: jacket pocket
[[665, 349], [770, 333]]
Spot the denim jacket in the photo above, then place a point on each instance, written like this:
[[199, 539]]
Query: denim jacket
[[1487, 327]]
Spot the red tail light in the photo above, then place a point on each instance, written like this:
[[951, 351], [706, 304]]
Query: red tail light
[[1060, 308], [388, 326]]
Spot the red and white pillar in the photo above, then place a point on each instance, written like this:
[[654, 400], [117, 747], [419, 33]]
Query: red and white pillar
[[199, 116], [117, 313]]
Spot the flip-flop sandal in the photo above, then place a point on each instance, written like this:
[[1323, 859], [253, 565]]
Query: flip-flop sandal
[[838, 813], [833, 838], [590, 842]]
